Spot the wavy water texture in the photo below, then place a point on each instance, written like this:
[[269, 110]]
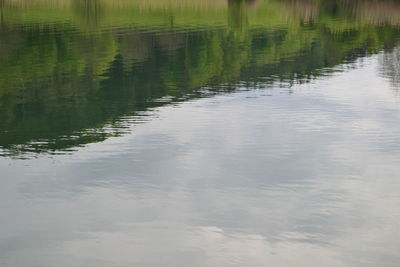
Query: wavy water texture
[[71, 69]]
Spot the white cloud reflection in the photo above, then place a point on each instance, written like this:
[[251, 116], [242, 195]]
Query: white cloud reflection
[[307, 179]]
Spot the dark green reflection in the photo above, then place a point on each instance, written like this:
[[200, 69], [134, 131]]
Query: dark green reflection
[[66, 83]]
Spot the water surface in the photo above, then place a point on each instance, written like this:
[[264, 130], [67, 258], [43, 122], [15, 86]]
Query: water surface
[[180, 133]]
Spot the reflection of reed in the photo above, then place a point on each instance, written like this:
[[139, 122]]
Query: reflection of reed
[[389, 65], [368, 11], [1, 13], [148, 4], [187, 4], [374, 12], [88, 11], [31, 3], [306, 10], [237, 15]]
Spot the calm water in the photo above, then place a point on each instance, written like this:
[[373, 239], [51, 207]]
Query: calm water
[[199, 133]]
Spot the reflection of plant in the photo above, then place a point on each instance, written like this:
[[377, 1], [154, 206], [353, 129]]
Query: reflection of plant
[[238, 17], [389, 64], [87, 12], [56, 83]]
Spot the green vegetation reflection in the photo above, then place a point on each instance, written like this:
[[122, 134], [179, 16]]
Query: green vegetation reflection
[[71, 72]]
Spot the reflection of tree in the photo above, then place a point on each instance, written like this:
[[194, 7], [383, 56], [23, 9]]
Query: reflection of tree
[[67, 87], [389, 63]]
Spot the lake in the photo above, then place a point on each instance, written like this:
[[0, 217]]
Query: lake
[[199, 133]]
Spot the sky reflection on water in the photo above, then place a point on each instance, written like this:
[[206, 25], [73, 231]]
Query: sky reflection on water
[[266, 157], [305, 178]]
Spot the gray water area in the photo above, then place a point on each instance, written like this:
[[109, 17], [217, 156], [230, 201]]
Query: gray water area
[[173, 133], [300, 176]]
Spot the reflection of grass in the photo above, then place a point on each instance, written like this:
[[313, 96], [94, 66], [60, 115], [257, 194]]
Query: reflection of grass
[[89, 14], [123, 3], [83, 13]]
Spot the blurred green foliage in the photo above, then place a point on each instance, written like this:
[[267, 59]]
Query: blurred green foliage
[[69, 72]]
